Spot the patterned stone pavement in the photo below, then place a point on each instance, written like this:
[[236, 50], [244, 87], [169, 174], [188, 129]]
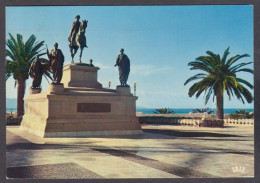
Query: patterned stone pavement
[[162, 152]]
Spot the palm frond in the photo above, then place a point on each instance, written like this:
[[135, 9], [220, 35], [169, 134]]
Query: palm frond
[[199, 66], [207, 60], [209, 93], [197, 76], [238, 66], [246, 94], [234, 59], [245, 70], [245, 82], [224, 57]]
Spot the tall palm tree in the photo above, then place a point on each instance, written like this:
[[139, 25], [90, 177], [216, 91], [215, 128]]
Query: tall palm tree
[[220, 75], [19, 56]]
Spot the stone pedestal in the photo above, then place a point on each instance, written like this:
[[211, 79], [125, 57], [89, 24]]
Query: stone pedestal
[[81, 111], [55, 88], [75, 75], [34, 91], [123, 90]]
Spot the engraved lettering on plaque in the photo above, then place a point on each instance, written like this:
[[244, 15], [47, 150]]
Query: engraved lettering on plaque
[[93, 107]]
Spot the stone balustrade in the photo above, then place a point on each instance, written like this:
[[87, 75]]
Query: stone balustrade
[[167, 120], [13, 121], [235, 122]]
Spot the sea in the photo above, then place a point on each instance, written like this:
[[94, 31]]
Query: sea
[[186, 111], [177, 110]]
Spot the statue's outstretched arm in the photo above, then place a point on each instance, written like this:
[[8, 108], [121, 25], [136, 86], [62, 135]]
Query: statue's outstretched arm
[[117, 60]]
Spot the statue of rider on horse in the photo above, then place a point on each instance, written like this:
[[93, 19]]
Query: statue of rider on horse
[[77, 38]]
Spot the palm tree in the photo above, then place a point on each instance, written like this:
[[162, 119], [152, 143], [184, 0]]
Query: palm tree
[[164, 111], [242, 114], [19, 56], [220, 75], [242, 111], [203, 110]]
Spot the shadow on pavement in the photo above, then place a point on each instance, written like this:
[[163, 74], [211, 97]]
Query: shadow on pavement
[[180, 133], [54, 171]]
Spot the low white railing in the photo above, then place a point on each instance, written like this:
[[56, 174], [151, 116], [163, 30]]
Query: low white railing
[[178, 120]]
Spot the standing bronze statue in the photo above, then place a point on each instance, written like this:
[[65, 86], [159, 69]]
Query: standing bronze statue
[[36, 72], [91, 63], [77, 38], [56, 62], [123, 64]]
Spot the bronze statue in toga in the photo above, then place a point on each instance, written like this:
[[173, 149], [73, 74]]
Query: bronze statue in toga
[[123, 64], [56, 62], [36, 72]]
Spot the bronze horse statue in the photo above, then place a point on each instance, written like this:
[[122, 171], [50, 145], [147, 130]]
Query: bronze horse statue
[[78, 40]]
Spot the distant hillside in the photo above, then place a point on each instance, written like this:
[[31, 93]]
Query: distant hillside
[[11, 102]]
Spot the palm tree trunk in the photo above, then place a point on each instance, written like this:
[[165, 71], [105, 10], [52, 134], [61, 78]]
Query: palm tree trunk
[[220, 104], [20, 95]]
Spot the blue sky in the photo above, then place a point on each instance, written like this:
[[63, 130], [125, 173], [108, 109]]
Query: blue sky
[[159, 40]]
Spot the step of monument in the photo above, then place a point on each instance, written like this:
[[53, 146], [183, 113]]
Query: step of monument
[[86, 92], [90, 89]]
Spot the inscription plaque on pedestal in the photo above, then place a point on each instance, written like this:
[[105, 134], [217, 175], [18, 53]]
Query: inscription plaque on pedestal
[[93, 107]]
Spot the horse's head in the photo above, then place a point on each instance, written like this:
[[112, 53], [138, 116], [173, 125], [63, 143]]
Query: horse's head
[[84, 24]]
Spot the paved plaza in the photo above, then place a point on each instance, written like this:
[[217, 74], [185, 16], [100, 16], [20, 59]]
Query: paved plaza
[[161, 152]]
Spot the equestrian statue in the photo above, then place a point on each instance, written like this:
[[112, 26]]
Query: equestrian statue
[[77, 38]]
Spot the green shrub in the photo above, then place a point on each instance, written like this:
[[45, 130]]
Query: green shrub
[[241, 116], [164, 111]]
